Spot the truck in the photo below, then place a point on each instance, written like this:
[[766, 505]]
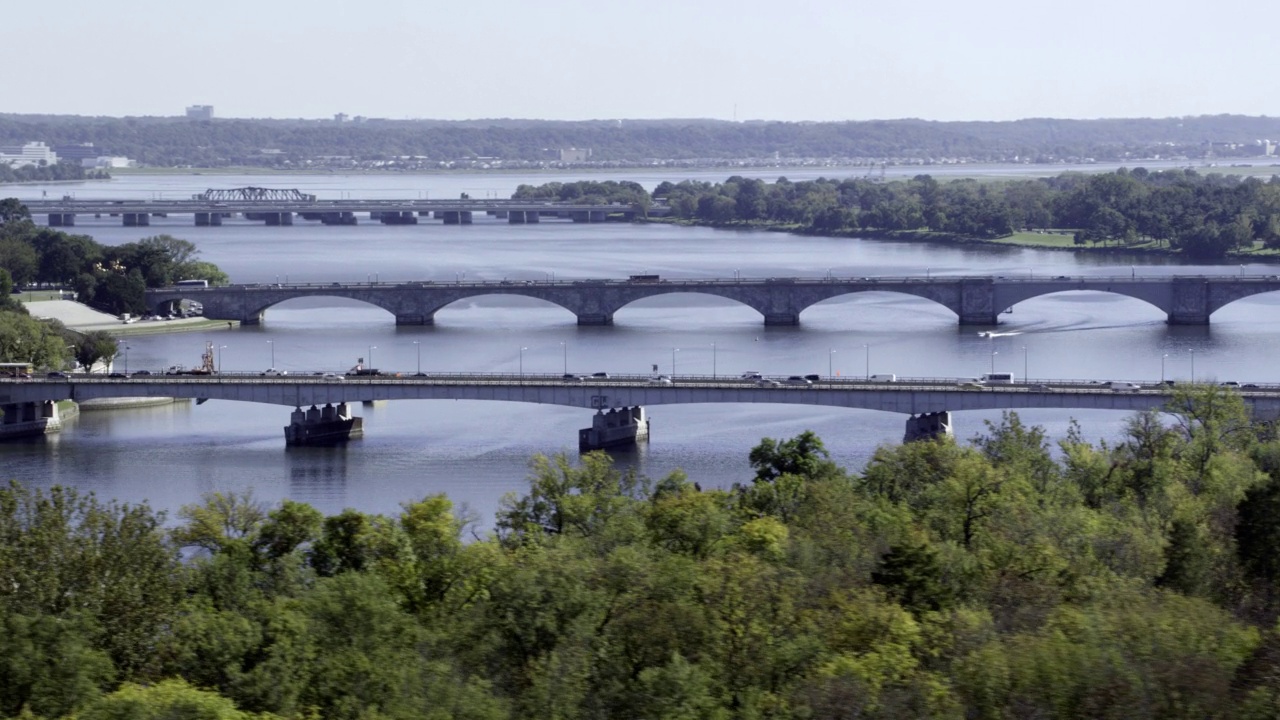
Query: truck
[[886, 377], [998, 378]]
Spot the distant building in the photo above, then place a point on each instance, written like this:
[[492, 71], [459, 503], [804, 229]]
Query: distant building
[[200, 112], [571, 155], [77, 153], [339, 117], [32, 153], [104, 162]]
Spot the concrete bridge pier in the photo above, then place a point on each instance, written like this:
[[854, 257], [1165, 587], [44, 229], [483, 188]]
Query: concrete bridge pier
[[515, 217], [27, 419], [323, 426], [596, 216], [581, 216], [457, 217], [782, 318], [927, 426], [338, 218], [208, 219], [278, 218], [614, 428], [398, 218], [136, 219], [532, 216], [413, 319], [1190, 302], [595, 319], [62, 219]]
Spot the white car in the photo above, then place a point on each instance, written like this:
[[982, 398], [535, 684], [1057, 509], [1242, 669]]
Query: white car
[[660, 380], [333, 376], [272, 372]]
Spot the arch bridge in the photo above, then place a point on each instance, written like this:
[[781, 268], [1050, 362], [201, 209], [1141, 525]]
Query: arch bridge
[[1185, 300]]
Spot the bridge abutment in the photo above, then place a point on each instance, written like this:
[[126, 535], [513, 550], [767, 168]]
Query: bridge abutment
[[323, 426], [927, 426], [614, 428], [29, 419]]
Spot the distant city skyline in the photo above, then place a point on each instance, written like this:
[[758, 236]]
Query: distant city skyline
[[814, 60]]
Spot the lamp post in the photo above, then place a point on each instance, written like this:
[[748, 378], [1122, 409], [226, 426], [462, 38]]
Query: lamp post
[[272, 344], [994, 353], [868, 360], [713, 361], [371, 349], [220, 349], [522, 363], [1162, 357], [1193, 365], [1025, 376], [673, 362], [564, 346], [126, 357], [417, 346], [830, 355]]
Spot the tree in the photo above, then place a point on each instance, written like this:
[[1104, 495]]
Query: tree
[[12, 210], [166, 700], [93, 346]]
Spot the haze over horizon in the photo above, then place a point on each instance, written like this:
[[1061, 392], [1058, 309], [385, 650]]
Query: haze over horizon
[[820, 60]]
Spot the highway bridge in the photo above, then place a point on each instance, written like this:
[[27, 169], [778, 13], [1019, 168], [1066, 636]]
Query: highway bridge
[[619, 401], [282, 210], [976, 300]]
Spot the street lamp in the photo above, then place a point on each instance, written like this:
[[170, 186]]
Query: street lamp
[[126, 356], [1025, 376], [272, 343], [564, 346], [713, 361], [673, 362], [417, 346], [220, 349], [994, 353], [830, 354], [1162, 357], [1193, 365], [522, 363], [868, 360], [371, 349]]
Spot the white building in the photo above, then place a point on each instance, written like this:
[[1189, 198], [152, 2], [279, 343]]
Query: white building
[[32, 153], [105, 162], [200, 112]]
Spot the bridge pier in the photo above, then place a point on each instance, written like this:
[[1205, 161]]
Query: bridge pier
[[398, 218], [927, 426], [338, 218], [615, 428], [596, 319], [514, 217], [415, 319], [782, 319], [278, 218], [62, 219], [136, 219], [326, 426], [1190, 302], [208, 219], [981, 318], [29, 419]]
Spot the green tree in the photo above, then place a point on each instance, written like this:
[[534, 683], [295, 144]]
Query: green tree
[[93, 346], [166, 700]]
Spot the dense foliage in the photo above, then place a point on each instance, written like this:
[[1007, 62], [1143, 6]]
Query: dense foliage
[[111, 278], [1205, 216], [171, 141], [48, 173], [1134, 579]]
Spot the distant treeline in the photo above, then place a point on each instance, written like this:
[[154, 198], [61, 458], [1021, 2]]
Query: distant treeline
[[169, 141], [48, 173], [1204, 216]]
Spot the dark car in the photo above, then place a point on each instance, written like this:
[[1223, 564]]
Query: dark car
[[56, 374], [118, 375], [143, 372], [601, 375], [813, 378]]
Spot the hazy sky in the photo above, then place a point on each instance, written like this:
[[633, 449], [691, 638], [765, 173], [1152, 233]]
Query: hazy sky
[[579, 59]]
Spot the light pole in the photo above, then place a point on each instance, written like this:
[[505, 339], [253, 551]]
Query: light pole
[[371, 349], [713, 360], [1193, 366], [830, 355], [1162, 357], [417, 346], [522, 363], [272, 344], [673, 362], [994, 353], [868, 360], [1025, 377], [220, 349], [564, 346], [126, 357]]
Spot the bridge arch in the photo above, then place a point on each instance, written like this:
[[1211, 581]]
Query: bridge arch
[[429, 310]]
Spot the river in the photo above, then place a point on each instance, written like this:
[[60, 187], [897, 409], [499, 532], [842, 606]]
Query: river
[[476, 451]]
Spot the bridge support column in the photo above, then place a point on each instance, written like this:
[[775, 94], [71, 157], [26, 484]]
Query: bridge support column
[[532, 216], [515, 217], [415, 319], [1190, 302], [597, 216], [136, 219], [208, 219], [465, 217], [977, 304], [338, 218], [29, 419], [398, 218], [278, 218], [581, 216], [615, 428], [782, 319], [596, 319], [326, 426], [62, 219], [927, 426], [452, 217], [255, 319]]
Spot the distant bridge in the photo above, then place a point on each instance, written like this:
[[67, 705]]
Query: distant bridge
[[280, 207], [1186, 300]]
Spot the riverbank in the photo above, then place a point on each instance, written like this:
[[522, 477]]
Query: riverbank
[[82, 318]]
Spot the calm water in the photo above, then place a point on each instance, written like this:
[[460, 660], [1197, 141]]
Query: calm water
[[476, 451]]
